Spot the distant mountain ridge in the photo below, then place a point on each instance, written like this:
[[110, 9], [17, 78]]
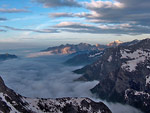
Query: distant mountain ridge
[[72, 48], [11, 102], [123, 73], [89, 57], [7, 57]]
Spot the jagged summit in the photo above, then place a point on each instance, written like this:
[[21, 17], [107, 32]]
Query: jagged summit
[[11, 102], [114, 43]]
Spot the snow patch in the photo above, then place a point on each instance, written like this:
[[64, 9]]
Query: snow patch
[[13, 110], [147, 80], [96, 54], [133, 58], [148, 67], [110, 58]]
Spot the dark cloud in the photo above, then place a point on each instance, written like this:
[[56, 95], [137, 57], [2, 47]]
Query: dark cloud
[[64, 14], [58, 3], [102, 29], [135, 13], [3, 19], [33, 30], [122, 11], [13, 10], [2, 30], [56, 15]]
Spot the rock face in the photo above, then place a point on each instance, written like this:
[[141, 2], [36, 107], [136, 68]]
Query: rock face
[[11, 102], [70, 48], [123, 73], [7, 56]]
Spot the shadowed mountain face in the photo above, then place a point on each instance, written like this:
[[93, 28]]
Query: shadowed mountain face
[[15, 103], [7, 56], [123, 73], [84, 58]]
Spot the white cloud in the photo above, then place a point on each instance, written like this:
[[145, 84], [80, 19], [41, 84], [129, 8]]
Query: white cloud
[[13, 10]]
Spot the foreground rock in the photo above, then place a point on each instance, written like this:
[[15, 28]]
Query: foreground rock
[[123, 73], [11, 102]]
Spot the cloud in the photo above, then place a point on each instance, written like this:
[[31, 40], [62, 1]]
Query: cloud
[[58, 3], [3, 19], [38, 54], [119, 11], [13, 10], [56, 15], [64, 14], [33, 30], [2, 30], [102, 29], [110, 16]]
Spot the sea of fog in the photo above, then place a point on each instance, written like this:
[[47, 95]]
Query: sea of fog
[[48, 77]]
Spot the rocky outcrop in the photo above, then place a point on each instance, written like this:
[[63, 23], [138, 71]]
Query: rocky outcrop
[[123, 73], [11, 102]]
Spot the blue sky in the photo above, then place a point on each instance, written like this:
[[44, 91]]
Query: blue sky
[[73, 21]]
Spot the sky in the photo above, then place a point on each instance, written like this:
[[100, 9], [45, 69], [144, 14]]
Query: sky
[[73, 21]]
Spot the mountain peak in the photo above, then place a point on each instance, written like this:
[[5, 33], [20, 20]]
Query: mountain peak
[[115, 43]]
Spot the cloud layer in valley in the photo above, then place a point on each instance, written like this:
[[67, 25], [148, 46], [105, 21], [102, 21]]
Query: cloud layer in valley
[[47, 77]]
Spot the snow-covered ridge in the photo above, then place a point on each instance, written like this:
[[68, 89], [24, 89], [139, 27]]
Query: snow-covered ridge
[[2, 98], [55, 104], [11, 102]]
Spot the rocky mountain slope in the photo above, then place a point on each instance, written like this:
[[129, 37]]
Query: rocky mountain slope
[[7, 56], [123, 73], [88, 57], [11, 102], [84, 58]]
